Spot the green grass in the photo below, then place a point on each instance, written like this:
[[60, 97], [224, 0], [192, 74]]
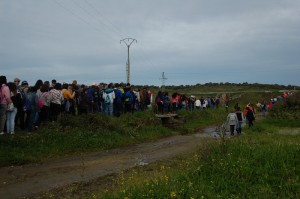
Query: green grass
[[261, 164], [79, 134], [199, 119], [91, 132]]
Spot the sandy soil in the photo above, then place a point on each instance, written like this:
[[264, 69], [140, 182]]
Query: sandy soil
[[27, 180]]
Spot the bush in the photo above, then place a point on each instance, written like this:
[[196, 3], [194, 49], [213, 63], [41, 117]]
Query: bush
[[289, 108]]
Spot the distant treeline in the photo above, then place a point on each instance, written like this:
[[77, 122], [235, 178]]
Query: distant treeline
[[235, 86]]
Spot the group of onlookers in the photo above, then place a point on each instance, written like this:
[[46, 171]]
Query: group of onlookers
[[28, 106]]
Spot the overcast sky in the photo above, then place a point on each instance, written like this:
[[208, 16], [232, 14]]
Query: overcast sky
[[192, 41]]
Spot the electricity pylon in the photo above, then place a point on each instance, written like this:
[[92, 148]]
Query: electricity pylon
[[128, 42], [163, 78]]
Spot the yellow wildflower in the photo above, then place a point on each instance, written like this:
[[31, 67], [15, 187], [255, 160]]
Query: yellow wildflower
[[173, 194]]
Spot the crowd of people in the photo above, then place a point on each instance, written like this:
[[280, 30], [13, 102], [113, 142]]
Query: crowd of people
[[165, 104], [28, 106], [237, 117]]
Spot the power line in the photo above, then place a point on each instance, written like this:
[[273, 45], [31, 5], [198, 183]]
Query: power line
[[112, 26], [105, 22], [91, 15], [77, 16], [116, 29], [82, 19]]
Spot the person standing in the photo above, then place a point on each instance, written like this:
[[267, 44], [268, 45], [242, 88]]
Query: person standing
[[94, 96], [226, 105], [69, 98], [12, 108], [34, 107], [45, 99], [53, 83], [198, 104], [56, 99], [108, 97], [118, 101], [17, 82], [37, 120], [4, 101], [232, 121], [159, 102], [240, 117], [20, 117], [137, 99], [166, 102], [128, 100]]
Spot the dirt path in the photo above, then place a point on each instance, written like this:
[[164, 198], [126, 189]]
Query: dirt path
[[31, 179], [35, 178]]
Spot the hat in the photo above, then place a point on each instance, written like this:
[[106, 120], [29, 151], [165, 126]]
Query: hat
[[94, 84], [24, 83], [17, 80]]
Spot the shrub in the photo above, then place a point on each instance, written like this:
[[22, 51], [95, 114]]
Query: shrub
[[289, 108]]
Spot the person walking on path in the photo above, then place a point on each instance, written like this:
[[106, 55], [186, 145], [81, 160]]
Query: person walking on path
[[232, 121], [250, 116], [240, 117]]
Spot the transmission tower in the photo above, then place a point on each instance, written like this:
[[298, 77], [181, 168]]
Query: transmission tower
[[128, 42], [163, 78]]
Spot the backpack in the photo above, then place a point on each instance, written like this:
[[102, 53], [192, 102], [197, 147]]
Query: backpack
[[250, 115], [93, 94], [107, 99], [166, 100], [232, 118], [128, 97], [26, 104], [22, 93], [135, 98]]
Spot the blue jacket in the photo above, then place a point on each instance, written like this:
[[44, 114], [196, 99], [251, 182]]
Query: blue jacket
[[128, 97], [118, 95]]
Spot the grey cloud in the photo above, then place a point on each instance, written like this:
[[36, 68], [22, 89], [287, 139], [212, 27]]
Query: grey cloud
[[192, 41]]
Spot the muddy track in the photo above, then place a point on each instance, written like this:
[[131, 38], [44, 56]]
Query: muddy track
[[27, 180], [32, 179]]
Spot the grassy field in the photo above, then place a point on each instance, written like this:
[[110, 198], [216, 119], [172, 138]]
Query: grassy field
[[264, 163], [73, 134]]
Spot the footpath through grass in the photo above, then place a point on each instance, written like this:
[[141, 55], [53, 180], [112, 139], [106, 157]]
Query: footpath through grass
[[264, 163], [78, 134]]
